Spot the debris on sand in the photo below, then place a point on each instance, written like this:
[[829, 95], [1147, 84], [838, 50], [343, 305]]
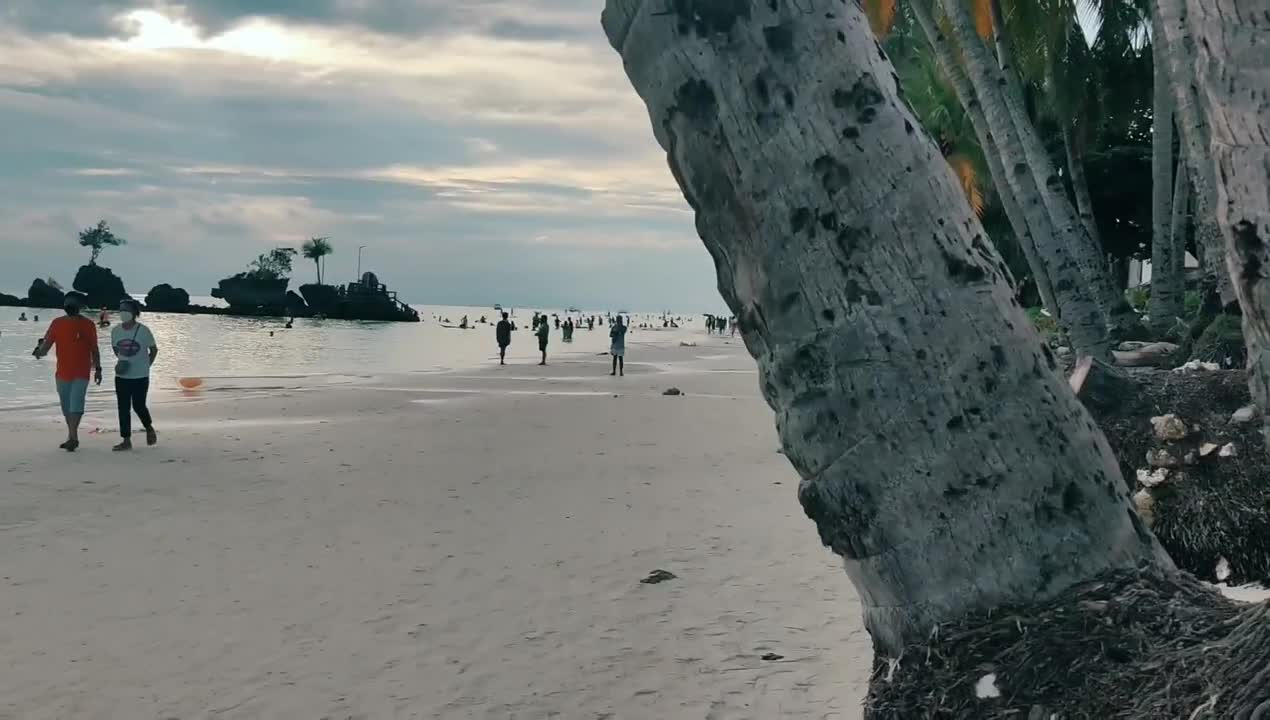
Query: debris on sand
[[1168, 428], [1125, 645], [1152, 478], [1244, 414], [658, 576], [1227, 450], [673, 391], [772, 657]]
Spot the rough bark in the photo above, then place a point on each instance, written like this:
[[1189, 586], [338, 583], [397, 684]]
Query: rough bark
[[1192, 126], [1069, 228], [1081, 310], [1024, 233], [1232, 41], [950, 475]]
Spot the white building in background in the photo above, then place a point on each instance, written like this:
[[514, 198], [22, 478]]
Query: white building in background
[[1140, 270]]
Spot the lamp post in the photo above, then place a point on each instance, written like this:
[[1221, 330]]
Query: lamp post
[[360, 248]]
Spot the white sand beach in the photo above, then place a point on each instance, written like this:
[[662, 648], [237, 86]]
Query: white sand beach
[[450, 545]]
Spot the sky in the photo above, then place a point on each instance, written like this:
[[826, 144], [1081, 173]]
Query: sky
[[482, 150]]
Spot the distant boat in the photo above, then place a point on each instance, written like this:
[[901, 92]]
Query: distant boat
[[573, 310]]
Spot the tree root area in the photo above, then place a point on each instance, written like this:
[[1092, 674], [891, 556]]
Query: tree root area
[[1131, 644], [1211, 507]]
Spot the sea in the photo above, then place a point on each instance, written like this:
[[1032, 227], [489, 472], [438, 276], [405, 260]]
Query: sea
[[234, 353]]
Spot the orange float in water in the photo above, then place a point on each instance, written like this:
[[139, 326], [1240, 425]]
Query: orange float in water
[[190, 383]]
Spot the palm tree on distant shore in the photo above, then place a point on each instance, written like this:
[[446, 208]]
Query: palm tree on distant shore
[[315, 249]]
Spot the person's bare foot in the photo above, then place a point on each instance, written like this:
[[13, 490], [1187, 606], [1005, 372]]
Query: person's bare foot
[[152, 437], [123, 446]]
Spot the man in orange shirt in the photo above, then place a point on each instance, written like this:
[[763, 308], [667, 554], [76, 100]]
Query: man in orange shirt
[[75, 337]]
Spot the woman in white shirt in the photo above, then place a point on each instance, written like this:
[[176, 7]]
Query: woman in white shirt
[[135, 350]]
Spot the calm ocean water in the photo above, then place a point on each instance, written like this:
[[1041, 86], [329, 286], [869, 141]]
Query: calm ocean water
[[230, 352]]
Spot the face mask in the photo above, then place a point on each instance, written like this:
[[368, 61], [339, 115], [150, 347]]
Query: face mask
[[126, 316]]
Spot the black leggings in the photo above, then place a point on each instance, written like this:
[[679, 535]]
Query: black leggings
[[131, 394]]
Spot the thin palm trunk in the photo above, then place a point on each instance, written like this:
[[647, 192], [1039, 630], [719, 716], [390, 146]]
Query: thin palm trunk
[[1232, 54], [951, 476], [1192, 126], [1080, 184], [1023, 232], [1166, 284], [1084, 248], [1082, 309]]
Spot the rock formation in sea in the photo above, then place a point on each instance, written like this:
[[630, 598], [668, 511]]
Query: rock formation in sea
[[44, 295], [101, 287], [165, 298]]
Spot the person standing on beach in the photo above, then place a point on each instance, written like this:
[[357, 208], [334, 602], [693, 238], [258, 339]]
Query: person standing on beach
[[503, 334], [135, 350], [78, 358], [617, 346], [544, 330]]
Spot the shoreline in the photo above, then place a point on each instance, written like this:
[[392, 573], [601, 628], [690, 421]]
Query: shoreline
[[358, 553]]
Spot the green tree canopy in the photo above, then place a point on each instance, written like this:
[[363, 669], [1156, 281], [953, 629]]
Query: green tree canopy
[[99, 238]]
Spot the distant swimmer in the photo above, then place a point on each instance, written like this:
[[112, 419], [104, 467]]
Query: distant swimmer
[[503, 334], [22, 317], [463, 323]]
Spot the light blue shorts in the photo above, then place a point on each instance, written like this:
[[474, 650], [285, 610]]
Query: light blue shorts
[[72, 393]]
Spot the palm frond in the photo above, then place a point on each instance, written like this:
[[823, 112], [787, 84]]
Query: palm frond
[[968, 175], [881, 15]]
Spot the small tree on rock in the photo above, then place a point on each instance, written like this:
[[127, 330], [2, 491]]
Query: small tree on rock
[[315, 249], [98, 238]]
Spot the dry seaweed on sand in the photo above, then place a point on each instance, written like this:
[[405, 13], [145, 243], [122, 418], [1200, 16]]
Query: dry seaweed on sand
[[1216, 507], [1128, 645]]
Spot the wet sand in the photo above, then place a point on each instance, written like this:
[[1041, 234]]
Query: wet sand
[[452, 545]]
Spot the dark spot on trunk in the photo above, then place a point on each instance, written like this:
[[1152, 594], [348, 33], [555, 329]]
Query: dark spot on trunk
[[866, 115], [842, 37], [789, 301], [1249, 248], [788, 96], [908, 126], [828, 315], [962, 272], [833, 174], [956, 422], [953, 491], [920, 354], [799, 220], [1063, 285], [850, 132], [761, 89], [1073, 499], [695, 99], [829, 221], [779, 38], [1020, 169], [1049, 357], [811, 364], [998, 356], [708, 17], [849, 240]]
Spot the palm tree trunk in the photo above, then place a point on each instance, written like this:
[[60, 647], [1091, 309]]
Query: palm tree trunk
[[1082, 311], [1192, 125], [1166, 285], [1080, 184], [951, 476], [1232, 55], [1085, 249], [1023, 232]]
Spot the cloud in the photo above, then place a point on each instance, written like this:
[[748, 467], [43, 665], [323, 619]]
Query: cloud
[[428, 129]]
